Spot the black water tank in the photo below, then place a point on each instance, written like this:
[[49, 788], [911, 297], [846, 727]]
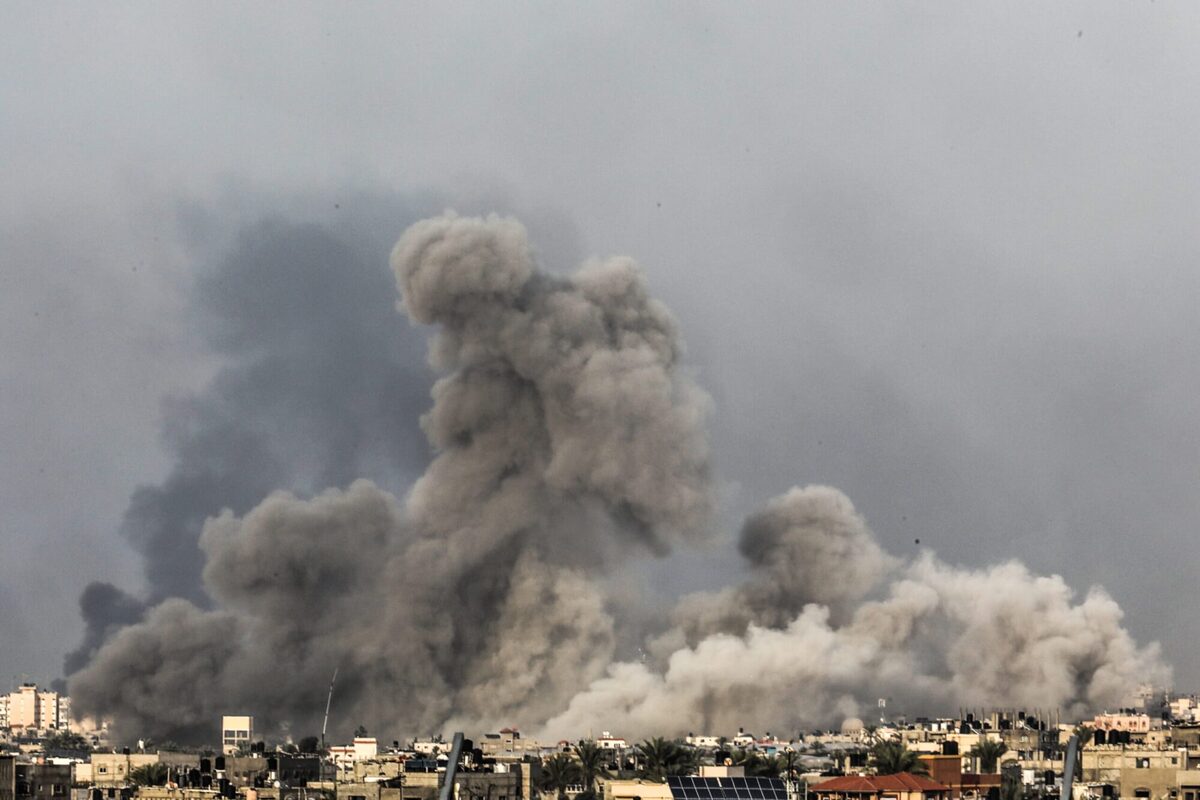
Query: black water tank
[[949, 748], [205, 765], [219, 763]]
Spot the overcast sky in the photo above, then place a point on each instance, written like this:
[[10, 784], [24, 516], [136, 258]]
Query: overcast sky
[[941, 256]]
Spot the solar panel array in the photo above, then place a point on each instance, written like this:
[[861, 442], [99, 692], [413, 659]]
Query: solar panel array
[[689, 788]]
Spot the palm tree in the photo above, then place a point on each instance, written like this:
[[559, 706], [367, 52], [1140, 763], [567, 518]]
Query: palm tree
[[684, 760], [150, 775], [754, 764], [592, 760], [988, 752], [558, 772], [661, 758], [767, 767], [888, 758], [1011, 788]]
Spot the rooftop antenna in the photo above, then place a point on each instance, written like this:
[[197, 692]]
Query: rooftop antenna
[[328, 701]]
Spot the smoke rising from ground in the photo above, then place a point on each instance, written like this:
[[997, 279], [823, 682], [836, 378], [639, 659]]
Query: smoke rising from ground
[[319, 385], [566, 438], [569, 440]]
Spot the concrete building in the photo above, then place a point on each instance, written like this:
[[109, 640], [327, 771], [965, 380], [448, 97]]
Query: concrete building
[[635, 789], [43, 781], [503, 784], [23, 708], [346, 756], [901, 786], [237, 733], [1187, 784], [609, 742], [947, 770], [1133, 771], [8, 777], [272, 770], [1123, 721], [28, 711], [112, 770]]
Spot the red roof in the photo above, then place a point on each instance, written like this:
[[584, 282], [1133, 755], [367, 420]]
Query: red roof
[[866, 784]]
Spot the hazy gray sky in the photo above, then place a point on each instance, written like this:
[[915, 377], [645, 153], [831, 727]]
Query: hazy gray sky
[[939, 256]]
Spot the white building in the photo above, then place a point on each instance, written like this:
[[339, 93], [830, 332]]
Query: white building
[[707, 742], [609, 742]]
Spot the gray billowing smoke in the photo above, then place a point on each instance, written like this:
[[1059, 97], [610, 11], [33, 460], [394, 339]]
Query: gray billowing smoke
[[566, 438], [567, 441], [318, 385], [937, 636], [807, 546]]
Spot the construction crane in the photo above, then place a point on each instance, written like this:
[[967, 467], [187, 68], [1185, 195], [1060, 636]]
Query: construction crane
[[328, 701]]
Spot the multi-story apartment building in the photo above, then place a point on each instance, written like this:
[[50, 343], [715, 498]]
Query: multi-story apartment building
[[29, 710]]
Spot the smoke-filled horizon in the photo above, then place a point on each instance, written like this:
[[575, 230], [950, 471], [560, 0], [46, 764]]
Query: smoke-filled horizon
[[568, 443]]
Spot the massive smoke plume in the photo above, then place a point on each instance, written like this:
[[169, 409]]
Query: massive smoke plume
[[319, 385], [568, 440]]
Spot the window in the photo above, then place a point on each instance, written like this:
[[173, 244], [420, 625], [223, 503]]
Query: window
[[1144, 793]]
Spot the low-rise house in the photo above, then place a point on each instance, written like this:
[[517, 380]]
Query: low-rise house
[[901, 786]]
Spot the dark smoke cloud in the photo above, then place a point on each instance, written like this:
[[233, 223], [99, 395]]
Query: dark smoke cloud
[[566, 436], [320, 382], [567, 441]]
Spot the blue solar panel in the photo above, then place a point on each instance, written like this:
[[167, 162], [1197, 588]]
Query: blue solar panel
[[691, 788]]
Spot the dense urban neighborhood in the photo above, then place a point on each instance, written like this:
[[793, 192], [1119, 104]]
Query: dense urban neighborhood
[[1148, 751]]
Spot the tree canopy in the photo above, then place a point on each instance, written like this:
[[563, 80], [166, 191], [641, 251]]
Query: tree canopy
[[888, 758]]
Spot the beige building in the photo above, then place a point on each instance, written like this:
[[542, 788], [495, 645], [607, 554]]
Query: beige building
[[23, 708], [111, 770], [27, 710], [1135, 772], [237, 732], [1134, 723], [631, 790]]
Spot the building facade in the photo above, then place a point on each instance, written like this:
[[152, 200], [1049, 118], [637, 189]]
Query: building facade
[[237, 733]]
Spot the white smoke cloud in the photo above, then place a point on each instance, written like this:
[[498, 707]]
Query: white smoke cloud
[[941, 636]]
